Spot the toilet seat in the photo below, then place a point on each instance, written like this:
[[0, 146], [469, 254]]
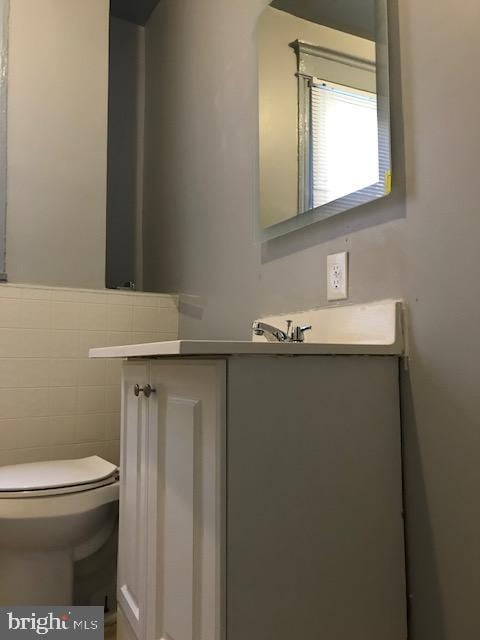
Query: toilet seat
[[59, 491], [56, 478]]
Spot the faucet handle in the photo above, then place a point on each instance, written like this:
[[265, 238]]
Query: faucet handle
[[298, 334]]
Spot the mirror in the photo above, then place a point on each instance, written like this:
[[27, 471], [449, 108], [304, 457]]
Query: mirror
[[324, 116]]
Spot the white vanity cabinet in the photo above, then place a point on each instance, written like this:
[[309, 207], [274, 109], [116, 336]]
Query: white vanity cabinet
[[169, 569], [261, 499]]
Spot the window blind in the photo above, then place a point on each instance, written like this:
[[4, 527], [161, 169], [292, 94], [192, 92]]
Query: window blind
[[344, 142]]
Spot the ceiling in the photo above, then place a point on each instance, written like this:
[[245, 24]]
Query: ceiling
[[137, 11], [352, 16]]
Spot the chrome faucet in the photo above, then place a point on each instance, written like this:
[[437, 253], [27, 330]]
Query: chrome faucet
[[274, 334]]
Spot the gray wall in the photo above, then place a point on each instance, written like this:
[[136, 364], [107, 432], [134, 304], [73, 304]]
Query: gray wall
[[199, 239], [126, 115]]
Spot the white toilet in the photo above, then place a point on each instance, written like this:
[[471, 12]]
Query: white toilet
[[52, 514]]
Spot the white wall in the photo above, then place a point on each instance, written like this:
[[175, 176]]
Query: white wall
[[54, 401], [278, 98], [57, 142]]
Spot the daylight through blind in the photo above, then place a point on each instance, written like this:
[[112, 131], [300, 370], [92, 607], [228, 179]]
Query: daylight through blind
[[344, 131]]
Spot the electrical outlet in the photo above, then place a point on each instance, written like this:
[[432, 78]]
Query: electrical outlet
[[337, 274]]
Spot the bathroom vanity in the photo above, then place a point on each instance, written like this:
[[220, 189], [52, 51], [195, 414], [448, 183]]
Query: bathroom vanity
[[261, 492]]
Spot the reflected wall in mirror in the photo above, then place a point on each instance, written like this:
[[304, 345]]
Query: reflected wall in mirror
[[83, 103], [324, 117]]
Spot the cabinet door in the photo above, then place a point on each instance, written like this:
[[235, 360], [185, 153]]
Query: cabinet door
[[132, 553], [185, 500], [315, 545]]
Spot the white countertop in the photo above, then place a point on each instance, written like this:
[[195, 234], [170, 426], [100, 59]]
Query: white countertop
[[227, 348], [370, 329]]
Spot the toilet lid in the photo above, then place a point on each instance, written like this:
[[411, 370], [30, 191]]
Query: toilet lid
[[55, 474]]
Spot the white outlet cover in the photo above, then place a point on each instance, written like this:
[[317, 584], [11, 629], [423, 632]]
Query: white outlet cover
[[337, 276]]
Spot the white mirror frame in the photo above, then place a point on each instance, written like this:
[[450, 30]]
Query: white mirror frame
[[4, 15], [368, 194]]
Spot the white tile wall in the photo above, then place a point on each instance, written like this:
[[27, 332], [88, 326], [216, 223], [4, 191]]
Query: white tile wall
[[54, 402]]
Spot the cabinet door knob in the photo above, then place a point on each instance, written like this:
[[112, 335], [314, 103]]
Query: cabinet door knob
[[147, 390]]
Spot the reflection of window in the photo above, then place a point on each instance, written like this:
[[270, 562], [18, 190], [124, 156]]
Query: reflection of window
[[338, 131], [344, 142]]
